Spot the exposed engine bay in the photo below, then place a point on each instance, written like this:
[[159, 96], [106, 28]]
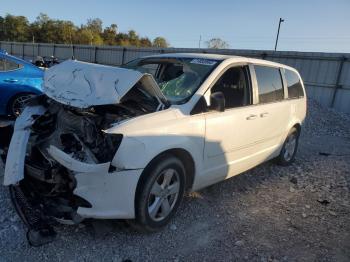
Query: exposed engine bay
[[46, 192], [59, 162]]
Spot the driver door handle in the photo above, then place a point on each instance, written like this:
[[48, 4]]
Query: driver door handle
[[251, 117], [11, 80]]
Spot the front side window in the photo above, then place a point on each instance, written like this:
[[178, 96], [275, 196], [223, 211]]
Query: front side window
[[235, 86], [295, 89], [178, 78], [7, 65], [270, 84]]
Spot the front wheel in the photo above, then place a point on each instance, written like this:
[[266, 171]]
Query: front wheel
[[160, 193], [18, 103], [289, 149]]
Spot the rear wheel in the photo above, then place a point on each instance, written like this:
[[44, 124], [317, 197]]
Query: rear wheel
[[18, 103], [289, 149], [160, 194]]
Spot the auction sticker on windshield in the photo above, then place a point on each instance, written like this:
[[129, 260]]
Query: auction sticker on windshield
[[203, 61]]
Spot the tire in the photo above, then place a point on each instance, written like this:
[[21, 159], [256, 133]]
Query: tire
[[289, 148], [159, 194], [18, 102]]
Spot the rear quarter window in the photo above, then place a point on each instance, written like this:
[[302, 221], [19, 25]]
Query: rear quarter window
[[295, 89]]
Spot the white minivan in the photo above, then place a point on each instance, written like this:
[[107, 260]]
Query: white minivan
[[127, 142]]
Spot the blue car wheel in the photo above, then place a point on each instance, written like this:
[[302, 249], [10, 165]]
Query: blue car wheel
[[19, 81], [18, 103]]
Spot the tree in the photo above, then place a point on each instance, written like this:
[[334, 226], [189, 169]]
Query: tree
[[109, 34], [85, 36], [217, 43], [2, 28], [90, 33], [65, 32], [47, 30], [14, 28], [160, 42], [133, 38], [95, 25], [122, 39], [145, 42], [43, 30]]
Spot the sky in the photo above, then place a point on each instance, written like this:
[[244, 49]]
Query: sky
[[310, 25]]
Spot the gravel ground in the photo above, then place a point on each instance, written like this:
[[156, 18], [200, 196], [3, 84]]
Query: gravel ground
[[271, 213]]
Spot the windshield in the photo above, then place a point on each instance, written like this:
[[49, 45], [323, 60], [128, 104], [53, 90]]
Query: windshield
[[178, 78]]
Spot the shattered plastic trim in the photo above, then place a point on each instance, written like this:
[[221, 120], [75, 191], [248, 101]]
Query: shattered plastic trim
[[14, 169], [75, 165], [110, 194]]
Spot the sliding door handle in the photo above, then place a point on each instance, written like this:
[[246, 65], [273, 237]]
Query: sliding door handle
[[251, 117], [265, 114]]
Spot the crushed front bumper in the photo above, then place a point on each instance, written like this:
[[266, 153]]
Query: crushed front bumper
[[111, 194]]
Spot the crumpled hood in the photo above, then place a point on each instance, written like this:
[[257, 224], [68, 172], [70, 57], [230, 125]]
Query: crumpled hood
[[82, 85]]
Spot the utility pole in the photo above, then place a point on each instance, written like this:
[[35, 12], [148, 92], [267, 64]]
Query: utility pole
[[278, 32], [200, 40], [71, 43]]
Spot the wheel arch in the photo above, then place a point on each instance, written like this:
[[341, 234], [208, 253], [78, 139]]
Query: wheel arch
[[14, 95], [298, 127], [183, 155], [293, 124]]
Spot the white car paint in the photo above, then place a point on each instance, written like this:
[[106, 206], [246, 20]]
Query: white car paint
[[82, 84], [98, 187], [14, 169], [221, 144]]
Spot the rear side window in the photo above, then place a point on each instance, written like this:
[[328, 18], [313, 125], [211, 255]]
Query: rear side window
[[269, 84], [7, 65], [295, 89]]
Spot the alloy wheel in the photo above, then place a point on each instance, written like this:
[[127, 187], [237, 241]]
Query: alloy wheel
[[163, 195], [20, 103], [290, 146]]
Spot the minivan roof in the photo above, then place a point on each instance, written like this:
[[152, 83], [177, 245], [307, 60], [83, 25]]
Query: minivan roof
[[222, 57]]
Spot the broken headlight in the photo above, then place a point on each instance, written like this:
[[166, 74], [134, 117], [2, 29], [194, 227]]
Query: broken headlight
[[105, 152]]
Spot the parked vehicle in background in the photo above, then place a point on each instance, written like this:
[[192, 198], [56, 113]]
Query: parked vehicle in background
[[19, 81], [126, 143], [46, 62]]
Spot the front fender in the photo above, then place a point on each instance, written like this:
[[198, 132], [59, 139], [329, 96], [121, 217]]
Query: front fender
[[130, 154], [137, 152]]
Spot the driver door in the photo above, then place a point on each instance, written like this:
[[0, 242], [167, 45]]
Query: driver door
[[231, 136]]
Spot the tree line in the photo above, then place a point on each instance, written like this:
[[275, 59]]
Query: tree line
[[47, 30]]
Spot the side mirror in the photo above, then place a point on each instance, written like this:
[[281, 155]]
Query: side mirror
[[217, 101]]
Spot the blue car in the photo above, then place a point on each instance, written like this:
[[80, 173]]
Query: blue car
[[19, 81]]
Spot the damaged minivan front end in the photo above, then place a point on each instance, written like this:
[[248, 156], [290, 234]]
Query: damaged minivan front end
[[59, 165]]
